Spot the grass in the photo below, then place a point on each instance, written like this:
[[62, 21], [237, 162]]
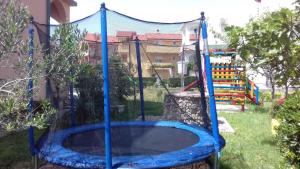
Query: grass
[[250, 147], [14, 150], [153, 102]]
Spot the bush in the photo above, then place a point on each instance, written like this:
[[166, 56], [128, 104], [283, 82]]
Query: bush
[[171, 82], [149, 81], [174, 82], [289, 129], [189, 79], [89, 86], [268, 97], [14, 114], [89, 89]]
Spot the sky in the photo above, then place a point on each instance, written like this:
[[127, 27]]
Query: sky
[[236, 12]]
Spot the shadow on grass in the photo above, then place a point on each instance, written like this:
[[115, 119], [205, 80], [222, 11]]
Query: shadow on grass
[[15, 149], [259, 108], [269, 141], [231, 160], [132, 110]]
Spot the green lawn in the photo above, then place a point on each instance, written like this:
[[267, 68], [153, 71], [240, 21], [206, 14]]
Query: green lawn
[[14, 151], [252, 145]]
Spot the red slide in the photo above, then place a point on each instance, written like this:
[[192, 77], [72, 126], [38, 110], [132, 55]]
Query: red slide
[[190, 85]]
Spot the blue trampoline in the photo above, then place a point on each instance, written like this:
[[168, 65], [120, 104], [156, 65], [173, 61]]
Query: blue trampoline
[[89, 133], [156, 145]]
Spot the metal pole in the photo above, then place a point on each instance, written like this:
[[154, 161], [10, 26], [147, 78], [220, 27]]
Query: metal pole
[[108, 155], [140, 73], [182, 72], [257, 95], [35, 162], [201, 84], [49, 95], [71, 91], [30, 85], [210, 86]]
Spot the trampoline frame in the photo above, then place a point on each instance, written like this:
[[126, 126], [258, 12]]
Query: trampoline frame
[[210, 142], [56, 153]]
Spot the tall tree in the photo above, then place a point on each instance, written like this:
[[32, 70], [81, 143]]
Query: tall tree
[[14, 19], [13, 56], [62, 64], [270, 44]]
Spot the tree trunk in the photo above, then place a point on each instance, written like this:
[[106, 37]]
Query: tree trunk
[[134, 98], [272, 89], [286, 90], [57, 99]]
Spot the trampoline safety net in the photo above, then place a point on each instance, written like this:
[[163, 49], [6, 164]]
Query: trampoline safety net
[[157, 102]]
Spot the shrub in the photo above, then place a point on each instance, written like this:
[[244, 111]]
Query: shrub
[[14, 114], [89, 86], [289, 129], [171, 82], [174, 82], [149, 81], [89, 90], [189, 79], [268, 97], [278, 95]]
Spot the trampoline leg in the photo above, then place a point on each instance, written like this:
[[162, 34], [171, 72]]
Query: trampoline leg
[[216, 162], [35, 162]]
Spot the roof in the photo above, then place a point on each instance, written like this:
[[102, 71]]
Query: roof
[[193, 37], [141, 37], [97, 38], [72, 3], [163, 36], [125, 34], [133, 35]]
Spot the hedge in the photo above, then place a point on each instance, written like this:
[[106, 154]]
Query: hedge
[[171, 82], [289, 129]]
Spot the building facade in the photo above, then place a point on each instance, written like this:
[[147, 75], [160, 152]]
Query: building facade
[[158, 50], [41, 11]]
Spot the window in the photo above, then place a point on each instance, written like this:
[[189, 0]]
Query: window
[[158, 42], [124, 58], [158, 59]]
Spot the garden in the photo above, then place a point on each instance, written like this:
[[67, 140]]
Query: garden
[[78, 94], [251, 146]]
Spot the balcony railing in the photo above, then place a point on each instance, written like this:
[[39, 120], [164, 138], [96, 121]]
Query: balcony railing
[[147, 65], [162, 49], [123, 48]]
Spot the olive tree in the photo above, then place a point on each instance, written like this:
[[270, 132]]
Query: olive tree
[[63, 62], [14, 58]]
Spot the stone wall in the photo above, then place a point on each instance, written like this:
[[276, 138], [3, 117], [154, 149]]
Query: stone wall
[[186, 107]]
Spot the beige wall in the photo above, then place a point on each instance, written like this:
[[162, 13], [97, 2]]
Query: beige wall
[[38, 9], [60, 9]]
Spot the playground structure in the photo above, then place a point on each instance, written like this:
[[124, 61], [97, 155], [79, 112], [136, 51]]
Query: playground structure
[[231, 84], [115, 141]]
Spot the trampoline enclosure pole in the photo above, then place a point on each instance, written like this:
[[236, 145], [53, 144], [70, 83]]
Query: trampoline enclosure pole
[[30, 85], [210, 86], [201, 83], [108, 156], [140, 74], [73, 115], [257, 95]]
